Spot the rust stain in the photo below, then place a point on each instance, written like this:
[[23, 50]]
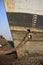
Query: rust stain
[[9, 5]]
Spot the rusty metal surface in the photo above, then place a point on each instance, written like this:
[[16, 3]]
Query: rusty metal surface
[[19, 23], [19, 35], [23, 19]]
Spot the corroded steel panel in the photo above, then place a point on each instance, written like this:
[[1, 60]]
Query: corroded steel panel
[[39, 23], [9, 5], [24, 19]]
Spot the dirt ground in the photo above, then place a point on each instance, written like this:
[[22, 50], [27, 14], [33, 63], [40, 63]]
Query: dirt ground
[[26, 60]]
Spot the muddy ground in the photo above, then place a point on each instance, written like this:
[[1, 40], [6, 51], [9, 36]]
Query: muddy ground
[[12, 59], [26, 60]]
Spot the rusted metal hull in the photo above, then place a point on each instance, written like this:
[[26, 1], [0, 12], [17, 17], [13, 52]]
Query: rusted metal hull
[[19, 23], [22, 18]]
